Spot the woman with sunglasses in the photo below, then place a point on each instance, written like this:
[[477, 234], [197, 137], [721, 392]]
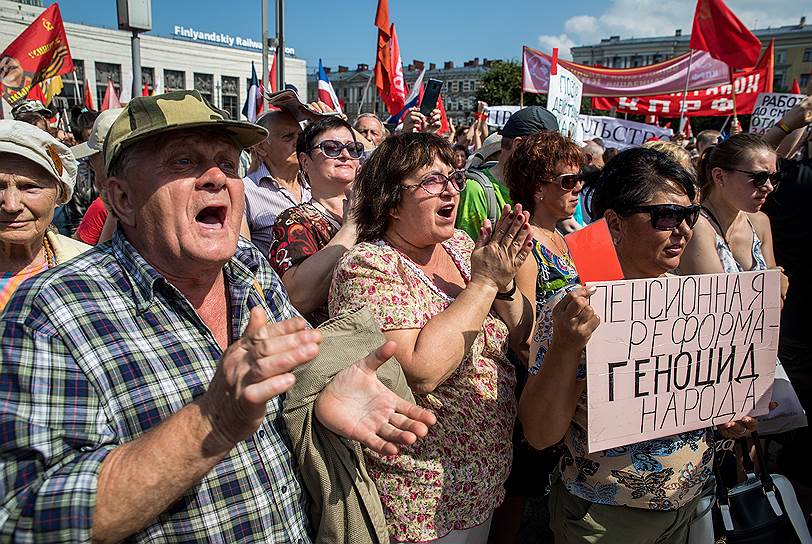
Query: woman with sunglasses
[[308, 239], [453, 308], [733, 234], [639, 493]]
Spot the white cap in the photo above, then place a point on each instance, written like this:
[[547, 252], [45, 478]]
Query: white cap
[[38, 146], [101, 126]]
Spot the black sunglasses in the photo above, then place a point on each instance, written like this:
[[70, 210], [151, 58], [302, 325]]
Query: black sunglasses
[[332, 149], [761, 177], [669, 216], [568, 182], [436, 183]]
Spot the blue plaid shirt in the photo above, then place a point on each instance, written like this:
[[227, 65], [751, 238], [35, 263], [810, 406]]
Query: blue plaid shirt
[[98, 351]]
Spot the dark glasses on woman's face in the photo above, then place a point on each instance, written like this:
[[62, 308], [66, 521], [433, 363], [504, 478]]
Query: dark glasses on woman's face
[[568, 182], [761, 177], [436, 183], [332, 149], [669, 216]]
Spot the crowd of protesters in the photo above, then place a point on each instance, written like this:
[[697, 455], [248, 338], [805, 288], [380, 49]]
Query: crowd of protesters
[[341, 331]]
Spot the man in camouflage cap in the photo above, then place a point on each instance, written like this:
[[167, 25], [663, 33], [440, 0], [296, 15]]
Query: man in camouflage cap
[[148, 372]]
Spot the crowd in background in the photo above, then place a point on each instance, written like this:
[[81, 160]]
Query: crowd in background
[[163, 282]]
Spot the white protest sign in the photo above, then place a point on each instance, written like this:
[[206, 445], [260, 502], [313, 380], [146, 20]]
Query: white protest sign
[[498, 115], [620, 133], [770, 108], [564, 101], [680, 353]]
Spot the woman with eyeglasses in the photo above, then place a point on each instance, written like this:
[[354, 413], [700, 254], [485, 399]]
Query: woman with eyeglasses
[[453, 308], [733, 234], [648, 491], [308, 239]]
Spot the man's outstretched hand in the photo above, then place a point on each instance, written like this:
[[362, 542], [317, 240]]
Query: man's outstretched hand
[[356, 405]]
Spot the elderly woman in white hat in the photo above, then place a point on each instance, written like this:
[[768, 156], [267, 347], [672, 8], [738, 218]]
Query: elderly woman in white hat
[[37, 174]]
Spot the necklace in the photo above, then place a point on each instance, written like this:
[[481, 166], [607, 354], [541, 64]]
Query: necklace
[[326, 214], [50, 255], [553, 240]]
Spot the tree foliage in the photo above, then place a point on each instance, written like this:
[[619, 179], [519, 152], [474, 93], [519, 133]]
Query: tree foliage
[[502, 86]]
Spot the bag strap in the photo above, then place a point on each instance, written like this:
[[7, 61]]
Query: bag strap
[[478, 175]]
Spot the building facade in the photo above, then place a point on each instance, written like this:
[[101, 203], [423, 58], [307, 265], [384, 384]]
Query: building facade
[[793, 52], [221, 73], [356, 88]]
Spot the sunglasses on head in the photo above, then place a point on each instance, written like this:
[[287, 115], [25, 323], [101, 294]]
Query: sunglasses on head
[[568, 182], [436, 183], [332, 149], [669, 216], [761, 177]]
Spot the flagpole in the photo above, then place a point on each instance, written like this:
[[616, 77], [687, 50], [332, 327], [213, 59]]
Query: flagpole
[[265, 87], [76, 85], [735, 121], [683, 108], [364, 94]]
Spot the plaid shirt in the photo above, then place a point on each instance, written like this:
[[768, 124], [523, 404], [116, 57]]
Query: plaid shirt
[[96, 352]]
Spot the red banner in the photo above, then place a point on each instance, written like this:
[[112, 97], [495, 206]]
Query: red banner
[[664, 77], [39, 53], [713, 101]]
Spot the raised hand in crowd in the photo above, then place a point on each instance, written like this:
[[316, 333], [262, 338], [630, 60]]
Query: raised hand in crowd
[[500, 252], [414, 121]]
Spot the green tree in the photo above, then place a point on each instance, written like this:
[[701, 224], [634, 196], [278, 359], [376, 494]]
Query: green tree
[[502, 86]]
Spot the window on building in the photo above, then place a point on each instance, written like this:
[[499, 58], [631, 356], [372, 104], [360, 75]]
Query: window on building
[[106, 72], [74, 89], [174, 80], [204, 84], [807, 57], [231, 95], [147, 79], [804, 82], [778, 79]]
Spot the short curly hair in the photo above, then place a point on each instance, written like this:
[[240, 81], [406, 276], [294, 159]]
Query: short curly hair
[[535, 159], [378, 186]]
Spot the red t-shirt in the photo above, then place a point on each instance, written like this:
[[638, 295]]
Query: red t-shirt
[[90, 228]]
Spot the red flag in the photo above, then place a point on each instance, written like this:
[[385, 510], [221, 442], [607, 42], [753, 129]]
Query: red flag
[[110, 97], [272, 75], [383, 59], [39, 53], [796, 89], [397, 94], [145, 91], [88, 96], [718, 31]]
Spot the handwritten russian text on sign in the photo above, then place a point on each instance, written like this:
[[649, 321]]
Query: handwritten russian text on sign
[[770, 108], [564, 101], [677, 354]]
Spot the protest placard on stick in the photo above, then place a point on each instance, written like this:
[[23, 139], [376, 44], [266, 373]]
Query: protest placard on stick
[[680, 353], [564, 101], [770, 108]]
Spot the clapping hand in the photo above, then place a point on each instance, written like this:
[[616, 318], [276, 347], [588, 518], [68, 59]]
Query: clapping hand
[[574, 320], [356, 405], [253, 371], [500, 252]]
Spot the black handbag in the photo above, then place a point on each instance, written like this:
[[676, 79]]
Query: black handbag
[[763, 508]]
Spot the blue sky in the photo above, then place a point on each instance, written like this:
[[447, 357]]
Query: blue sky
[[437, 30]]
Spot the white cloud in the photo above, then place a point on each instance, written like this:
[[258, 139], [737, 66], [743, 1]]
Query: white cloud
[[643, 18], [562, 42]]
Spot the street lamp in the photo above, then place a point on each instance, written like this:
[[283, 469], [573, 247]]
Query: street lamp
[[135, 16]]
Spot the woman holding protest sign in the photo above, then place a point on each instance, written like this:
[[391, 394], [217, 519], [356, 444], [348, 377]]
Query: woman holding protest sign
[[642, 492]]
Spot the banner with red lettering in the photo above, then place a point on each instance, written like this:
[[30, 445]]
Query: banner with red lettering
[[712, 101], [664, 77], [39, 53]]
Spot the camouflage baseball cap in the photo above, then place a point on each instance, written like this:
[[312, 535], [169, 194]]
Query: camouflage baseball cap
[[147, 116]]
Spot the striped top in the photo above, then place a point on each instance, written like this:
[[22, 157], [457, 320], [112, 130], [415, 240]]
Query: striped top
[[265, 199]]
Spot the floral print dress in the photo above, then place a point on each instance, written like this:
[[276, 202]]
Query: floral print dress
[[453, 478]]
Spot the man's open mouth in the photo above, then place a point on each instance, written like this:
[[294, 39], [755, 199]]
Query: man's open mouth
[[212, 216]]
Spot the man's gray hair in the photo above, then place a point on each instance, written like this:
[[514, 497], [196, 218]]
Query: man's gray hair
[[363, 115]]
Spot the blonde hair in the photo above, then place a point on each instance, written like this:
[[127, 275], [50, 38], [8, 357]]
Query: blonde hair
[[676, 152]]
